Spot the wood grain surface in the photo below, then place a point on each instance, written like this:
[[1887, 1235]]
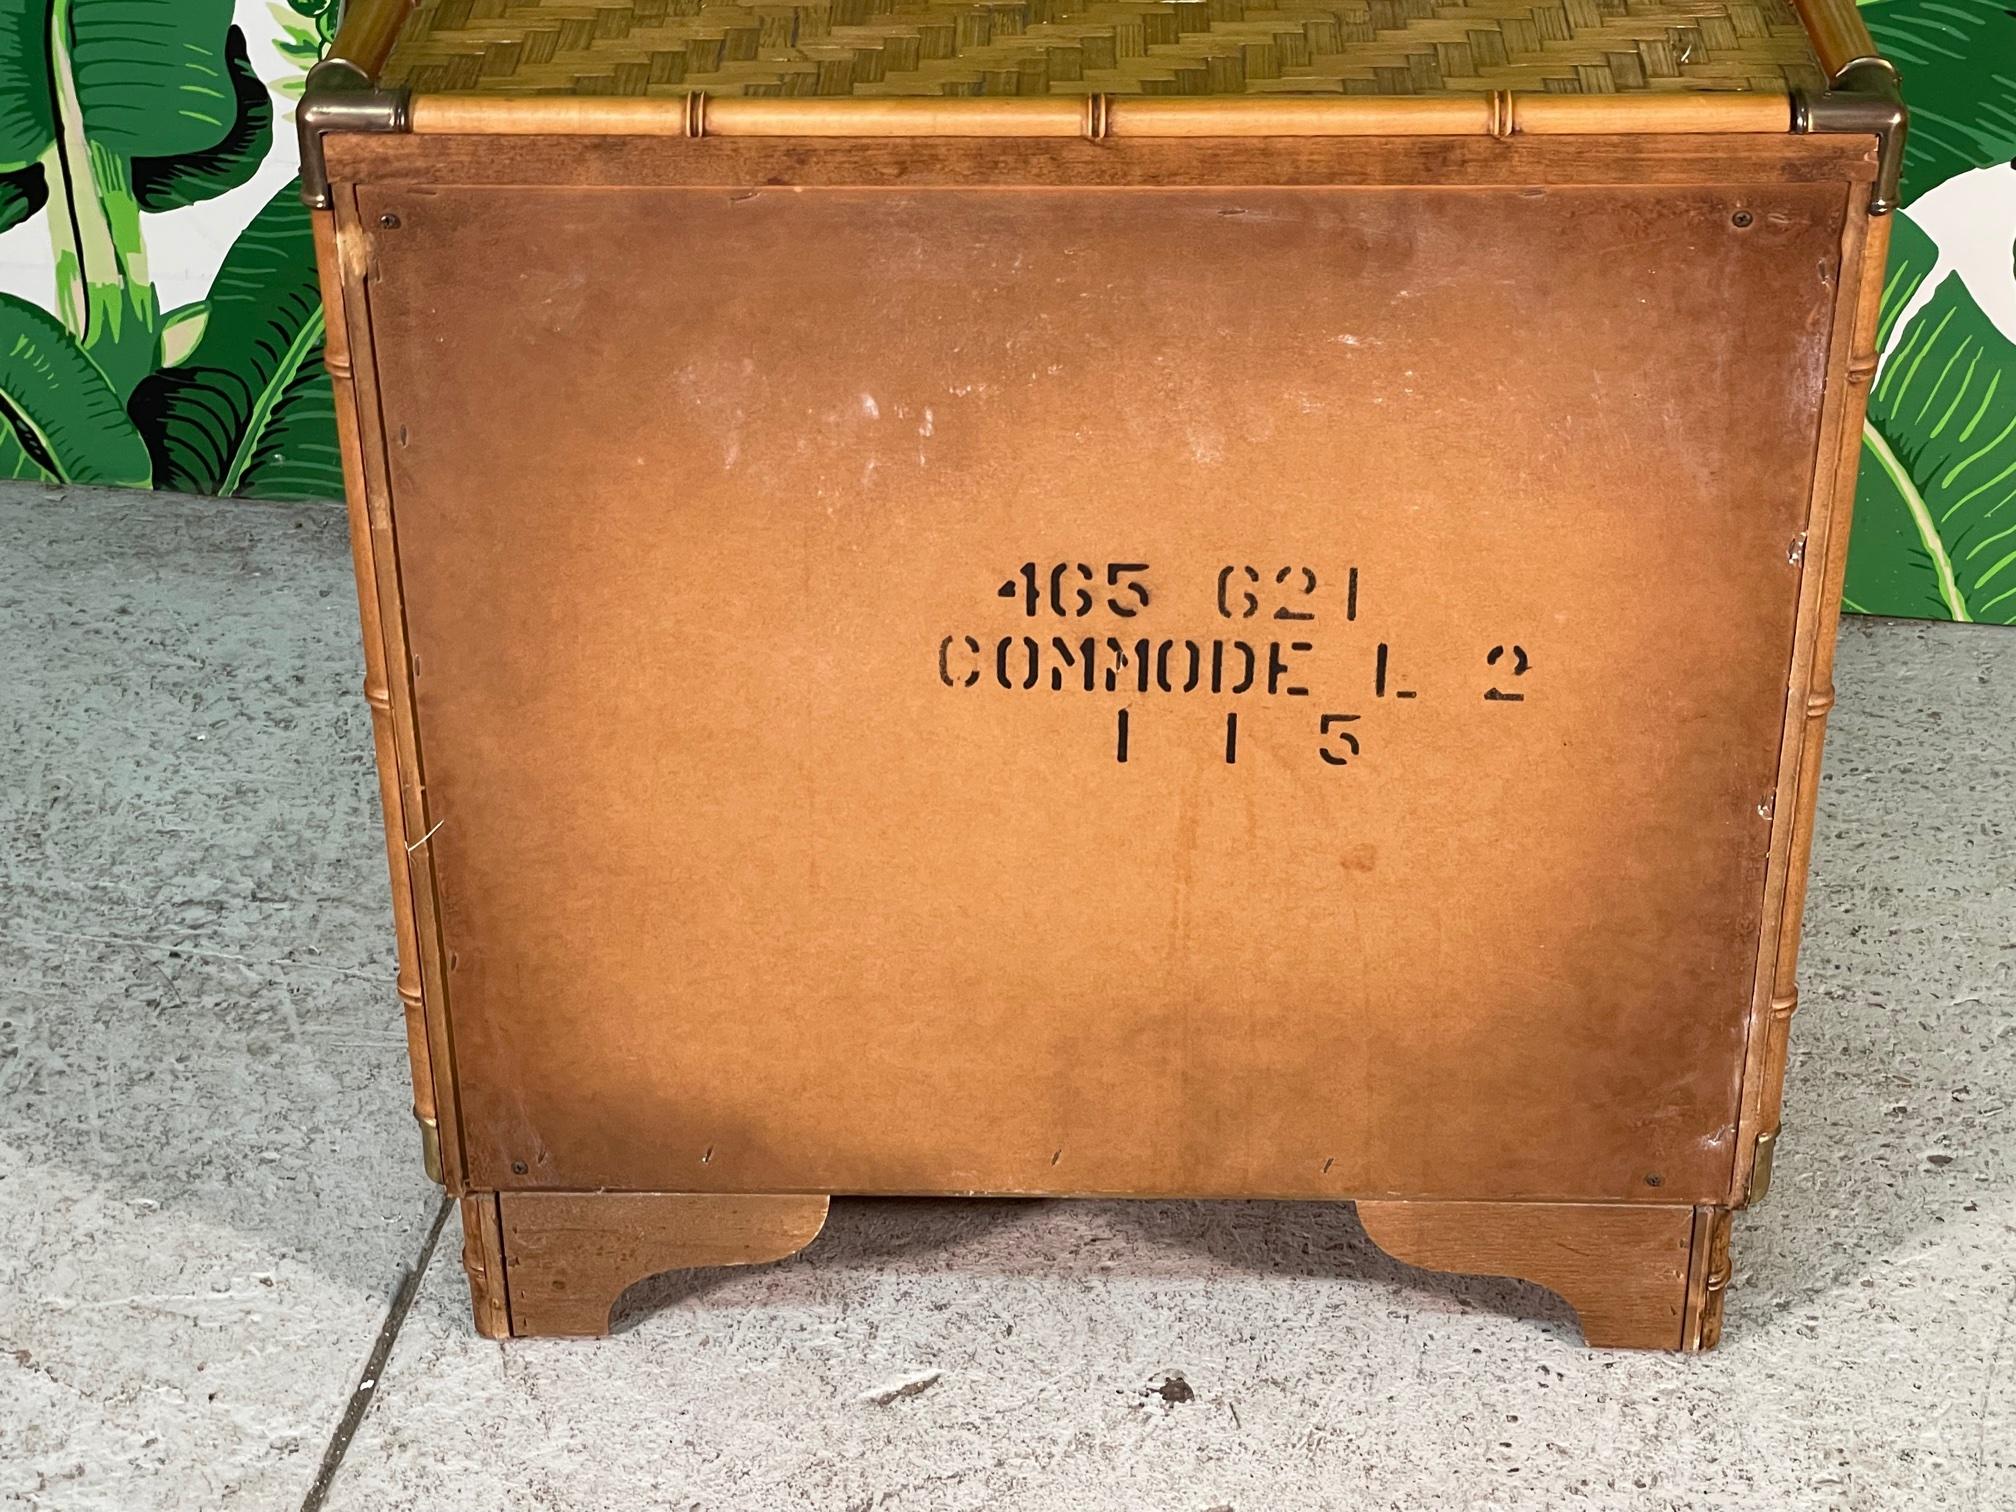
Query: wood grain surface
[[398, 160], [1625, 1270], [570, 1255], [738, 894]]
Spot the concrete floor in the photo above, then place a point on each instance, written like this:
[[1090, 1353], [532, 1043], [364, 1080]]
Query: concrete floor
[[210, 1189]]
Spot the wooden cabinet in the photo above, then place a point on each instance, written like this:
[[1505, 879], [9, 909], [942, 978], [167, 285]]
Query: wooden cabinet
[[1138, 600]]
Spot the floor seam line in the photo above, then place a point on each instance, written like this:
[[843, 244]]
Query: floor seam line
[[366, 1391]]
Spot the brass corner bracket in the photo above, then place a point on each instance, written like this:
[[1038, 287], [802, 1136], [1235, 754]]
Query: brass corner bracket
[[1760, 1168], [430, 1147], [340, 96], [1862, 98]]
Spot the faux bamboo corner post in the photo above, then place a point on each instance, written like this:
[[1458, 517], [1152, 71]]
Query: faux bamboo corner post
[[1032, 601]]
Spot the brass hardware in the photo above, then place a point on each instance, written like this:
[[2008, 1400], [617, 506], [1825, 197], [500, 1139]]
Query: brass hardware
[[1760, 1168], [430, 1148], [340, 96], [1862, 97]]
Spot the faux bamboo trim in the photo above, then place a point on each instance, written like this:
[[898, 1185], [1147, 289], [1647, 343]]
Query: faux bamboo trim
[[368, 485], [336, 357], [1808, 553], [1259, 116], [1840, 39], [1834, 572], [1708, 1275], [1672, 115], [1835, 484], [483, 1261], [1498, 113], [740, 116], [368, 31]]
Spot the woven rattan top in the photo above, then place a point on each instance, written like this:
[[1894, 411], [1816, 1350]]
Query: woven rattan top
[[1122, 47]]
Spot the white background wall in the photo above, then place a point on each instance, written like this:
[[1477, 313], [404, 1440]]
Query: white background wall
[[1973, 219]]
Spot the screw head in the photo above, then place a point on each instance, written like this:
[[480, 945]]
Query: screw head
[[389, 221], [517, 1168], [1742, 220]]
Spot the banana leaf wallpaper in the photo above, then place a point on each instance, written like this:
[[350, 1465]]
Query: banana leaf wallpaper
[[160, 325], [159, 322]]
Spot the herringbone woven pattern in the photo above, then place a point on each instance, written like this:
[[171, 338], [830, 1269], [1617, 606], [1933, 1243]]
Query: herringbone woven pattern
[[1035, 47]]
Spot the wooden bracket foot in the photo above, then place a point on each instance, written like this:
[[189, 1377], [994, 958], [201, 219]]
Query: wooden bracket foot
[[1638, 1276], [552, 1264]]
